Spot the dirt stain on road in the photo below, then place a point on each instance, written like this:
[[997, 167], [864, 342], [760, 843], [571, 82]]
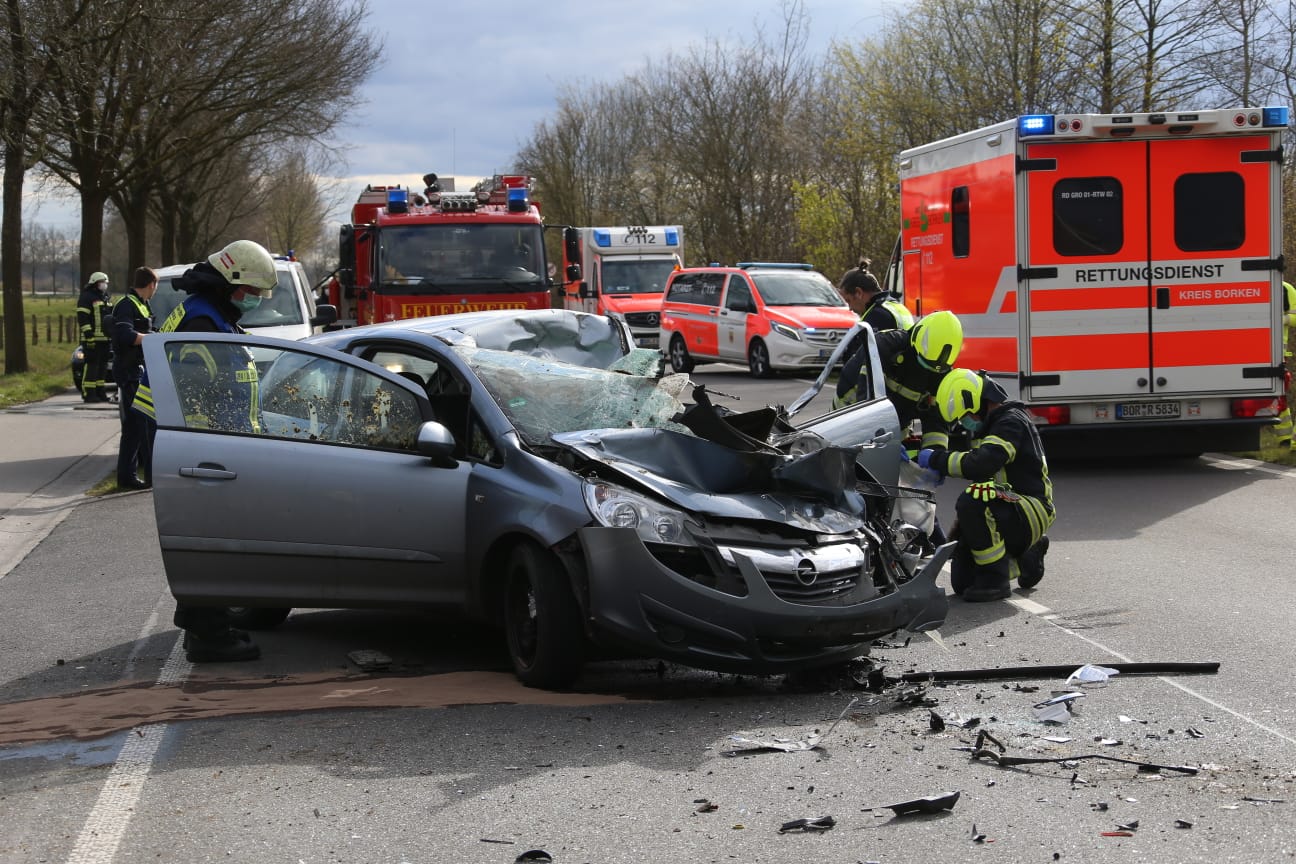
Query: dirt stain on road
[[89, 714]]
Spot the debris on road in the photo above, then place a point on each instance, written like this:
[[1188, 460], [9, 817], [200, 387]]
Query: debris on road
[[534, 856], [1058, 671], [783, 745], [817, 823], [1000, 758], [369, 660], [1089, 674], [930, 804]]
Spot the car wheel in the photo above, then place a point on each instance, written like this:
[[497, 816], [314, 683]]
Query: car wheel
[[541, 620], [679, 356], [758, 360], [255, 618]]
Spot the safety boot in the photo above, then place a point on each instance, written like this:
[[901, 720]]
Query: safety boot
[[989, 582], [1031, 563]]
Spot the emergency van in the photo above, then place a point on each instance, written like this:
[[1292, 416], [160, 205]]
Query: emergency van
[[772, 316], [1117, 273], [625, 272]]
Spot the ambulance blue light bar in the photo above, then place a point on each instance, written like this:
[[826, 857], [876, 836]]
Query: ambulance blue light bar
[[1275, 116], [602, 238], [1035, 124], [672, 237], [397, 201], [518, 200]]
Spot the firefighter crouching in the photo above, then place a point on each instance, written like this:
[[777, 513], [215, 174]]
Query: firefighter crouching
[[217, 384], [1002, 515], [91, 308]]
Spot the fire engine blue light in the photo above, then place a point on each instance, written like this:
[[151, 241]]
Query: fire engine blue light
[[1035, 124], [1275, 116], [397, 201], [518, 200], [602, 238], [672, 237]]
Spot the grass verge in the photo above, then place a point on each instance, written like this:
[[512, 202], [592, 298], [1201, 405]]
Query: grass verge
[[49, 362]]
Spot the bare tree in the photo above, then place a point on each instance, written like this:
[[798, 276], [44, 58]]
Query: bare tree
[[294, 208]]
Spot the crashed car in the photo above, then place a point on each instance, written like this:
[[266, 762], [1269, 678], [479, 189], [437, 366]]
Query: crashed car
[[533, 470]]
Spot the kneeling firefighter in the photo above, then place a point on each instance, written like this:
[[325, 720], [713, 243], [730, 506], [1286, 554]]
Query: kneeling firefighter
[[1002, 516]]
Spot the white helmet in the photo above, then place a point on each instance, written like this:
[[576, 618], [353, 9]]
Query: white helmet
[[246, 262], [98, 276]]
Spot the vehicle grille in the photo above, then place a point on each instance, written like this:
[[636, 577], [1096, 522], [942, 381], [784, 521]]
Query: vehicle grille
[[823, 338], [643, 319], [824, 576]]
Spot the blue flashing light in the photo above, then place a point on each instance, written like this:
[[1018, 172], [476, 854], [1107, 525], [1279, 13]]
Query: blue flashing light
[[1035, 124], [602, 238], [1274, 116], [397, 201], [518, 200], [672, 237]]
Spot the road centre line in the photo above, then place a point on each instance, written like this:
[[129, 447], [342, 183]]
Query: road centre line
[[1046, 614]]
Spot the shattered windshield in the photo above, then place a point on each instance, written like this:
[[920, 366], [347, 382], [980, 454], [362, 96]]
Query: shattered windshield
[[544, 397]]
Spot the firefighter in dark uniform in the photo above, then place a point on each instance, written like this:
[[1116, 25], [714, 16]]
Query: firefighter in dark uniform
[[1002, 517], [914, 362], [132, 320], [91, 309], [223, 396]]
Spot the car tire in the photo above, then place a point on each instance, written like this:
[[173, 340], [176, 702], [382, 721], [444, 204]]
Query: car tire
[[542, 621], [256, 618], [758, 360], [679, 356]]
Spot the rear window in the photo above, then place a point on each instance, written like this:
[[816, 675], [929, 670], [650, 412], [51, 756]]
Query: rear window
[[1222, 194], [1087, 216]]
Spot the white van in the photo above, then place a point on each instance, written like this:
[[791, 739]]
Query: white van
[[289, 313]]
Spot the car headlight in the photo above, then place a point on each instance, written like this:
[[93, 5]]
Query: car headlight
[[785, 330], [618, 507]]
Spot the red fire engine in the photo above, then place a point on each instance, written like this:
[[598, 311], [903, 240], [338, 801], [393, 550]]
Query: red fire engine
[[1117, 273], [410, 256]]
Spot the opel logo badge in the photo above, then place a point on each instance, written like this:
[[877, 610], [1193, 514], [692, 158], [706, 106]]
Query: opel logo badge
[[805, 572]]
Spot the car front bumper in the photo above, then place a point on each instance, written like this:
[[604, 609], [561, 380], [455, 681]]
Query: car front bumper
[[641, 603]]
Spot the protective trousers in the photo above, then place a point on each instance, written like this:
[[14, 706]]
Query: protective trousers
[[133, 451], [96, 367], [993, 534]]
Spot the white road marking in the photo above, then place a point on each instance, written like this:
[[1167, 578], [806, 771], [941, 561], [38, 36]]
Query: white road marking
[[104, 828], [1033, 608]]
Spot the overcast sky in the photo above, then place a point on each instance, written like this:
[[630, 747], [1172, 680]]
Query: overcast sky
[[462, 83]]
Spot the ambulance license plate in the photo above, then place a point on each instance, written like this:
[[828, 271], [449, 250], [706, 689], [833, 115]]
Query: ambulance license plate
[[1147, 410]]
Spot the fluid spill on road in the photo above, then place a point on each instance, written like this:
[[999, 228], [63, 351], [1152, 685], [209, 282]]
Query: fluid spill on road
[[89, 714]]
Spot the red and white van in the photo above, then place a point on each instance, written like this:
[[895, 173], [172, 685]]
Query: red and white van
[[773, 317], [1120, 274]]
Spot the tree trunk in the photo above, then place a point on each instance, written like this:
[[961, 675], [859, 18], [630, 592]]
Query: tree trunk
[[92, 210], [15, 337]]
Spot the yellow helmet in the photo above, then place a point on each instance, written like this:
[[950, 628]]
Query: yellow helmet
[[959, 393], [246, 262], [937, 338]]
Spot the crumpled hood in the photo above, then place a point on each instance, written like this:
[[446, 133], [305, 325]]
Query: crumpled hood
[[814, 491]]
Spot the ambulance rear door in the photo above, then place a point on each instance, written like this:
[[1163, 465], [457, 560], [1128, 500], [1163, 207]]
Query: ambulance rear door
[[1149, 270]]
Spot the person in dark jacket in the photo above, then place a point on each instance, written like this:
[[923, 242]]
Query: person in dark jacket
[[91, 310], [1002, 516], [132, 320], [229, 283], [914, 363]]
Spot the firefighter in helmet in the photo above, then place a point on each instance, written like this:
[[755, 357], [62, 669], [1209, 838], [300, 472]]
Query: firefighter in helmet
[[914, 362], [1284, 427], [1002, 516], [91, 311], [217, 386]]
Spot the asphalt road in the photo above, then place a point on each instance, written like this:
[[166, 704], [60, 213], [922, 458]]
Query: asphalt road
[[113, 749]]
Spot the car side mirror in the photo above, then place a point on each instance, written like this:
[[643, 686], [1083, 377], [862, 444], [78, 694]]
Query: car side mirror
[[435, 442], [325, 314], [585, 292], [573, 272]]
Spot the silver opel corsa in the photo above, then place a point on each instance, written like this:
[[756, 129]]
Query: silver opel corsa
[[534, 470]]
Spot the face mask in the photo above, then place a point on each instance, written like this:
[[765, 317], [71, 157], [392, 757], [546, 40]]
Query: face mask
[[248, 303], [970, 423]]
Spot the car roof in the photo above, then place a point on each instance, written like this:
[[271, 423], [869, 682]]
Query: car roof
[[173, 270]]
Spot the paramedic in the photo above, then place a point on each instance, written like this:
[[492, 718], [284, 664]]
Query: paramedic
[[1284, 427], [862, 293], [132, 319], [1002, 515]]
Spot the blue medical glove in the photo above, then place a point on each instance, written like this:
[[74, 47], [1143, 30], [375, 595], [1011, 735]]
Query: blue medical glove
[[905, 455], [924, 457]]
